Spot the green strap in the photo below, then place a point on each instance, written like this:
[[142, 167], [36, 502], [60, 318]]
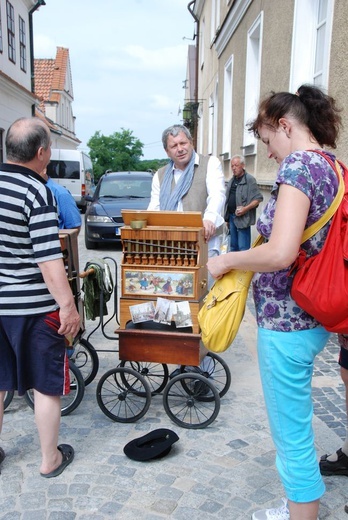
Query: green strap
[[314, 228]]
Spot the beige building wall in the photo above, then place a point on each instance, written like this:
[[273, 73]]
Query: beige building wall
[[207, 75], [277, 36], [275, 69], [338, 79]]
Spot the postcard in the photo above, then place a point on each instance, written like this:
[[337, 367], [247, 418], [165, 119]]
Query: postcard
[[183, 317], [142, 312], [163, 311]]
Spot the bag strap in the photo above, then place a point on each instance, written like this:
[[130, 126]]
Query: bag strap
[[316, 226], [258, 241]]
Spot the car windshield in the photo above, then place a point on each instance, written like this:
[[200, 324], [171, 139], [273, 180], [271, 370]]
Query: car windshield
[[120, 188]]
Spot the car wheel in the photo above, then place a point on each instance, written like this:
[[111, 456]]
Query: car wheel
[[90, 244]]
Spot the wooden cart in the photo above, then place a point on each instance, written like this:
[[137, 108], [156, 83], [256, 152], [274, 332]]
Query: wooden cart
[[167, 251], [164, 254]]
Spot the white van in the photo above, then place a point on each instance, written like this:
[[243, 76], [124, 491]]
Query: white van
[[73, 170]]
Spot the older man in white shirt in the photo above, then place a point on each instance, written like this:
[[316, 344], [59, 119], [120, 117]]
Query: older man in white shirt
[[190, 182]]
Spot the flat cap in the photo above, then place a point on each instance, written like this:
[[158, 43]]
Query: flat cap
[[153, 445]]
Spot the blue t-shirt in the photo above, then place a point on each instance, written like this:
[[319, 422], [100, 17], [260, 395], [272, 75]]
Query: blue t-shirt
[[68, 213], [310, 173]]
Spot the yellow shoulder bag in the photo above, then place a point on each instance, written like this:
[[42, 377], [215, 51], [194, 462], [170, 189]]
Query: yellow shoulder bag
[[223, 309]]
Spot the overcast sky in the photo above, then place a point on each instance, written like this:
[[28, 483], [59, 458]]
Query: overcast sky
[[128, 62]]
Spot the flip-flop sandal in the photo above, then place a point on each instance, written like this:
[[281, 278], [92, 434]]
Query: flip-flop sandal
[[2, 456], [67, 452]]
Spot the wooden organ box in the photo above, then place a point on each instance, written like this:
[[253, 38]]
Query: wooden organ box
[[69, 246], [164, 254]]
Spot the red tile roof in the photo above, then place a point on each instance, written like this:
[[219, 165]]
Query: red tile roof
[[49, 83], [43, 75], [60, 69], [50, 75]]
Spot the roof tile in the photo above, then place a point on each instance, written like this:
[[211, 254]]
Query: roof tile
[[50, 75]]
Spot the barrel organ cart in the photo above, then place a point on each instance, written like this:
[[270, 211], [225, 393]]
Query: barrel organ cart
[[164, 255]]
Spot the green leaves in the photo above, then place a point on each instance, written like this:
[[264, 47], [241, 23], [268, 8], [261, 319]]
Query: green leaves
[[120, 151]]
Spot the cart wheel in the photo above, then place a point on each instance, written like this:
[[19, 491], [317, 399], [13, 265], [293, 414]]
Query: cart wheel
[[216, 370], [155, 374], [8, 398], [68, 402], [86, 359], [182, 400], [123, 395]]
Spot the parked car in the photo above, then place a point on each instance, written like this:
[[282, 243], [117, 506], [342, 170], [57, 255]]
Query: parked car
[[115, 191]]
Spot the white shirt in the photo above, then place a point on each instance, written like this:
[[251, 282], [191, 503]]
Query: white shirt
[[215, 182]]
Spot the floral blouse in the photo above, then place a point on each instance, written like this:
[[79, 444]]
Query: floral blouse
[[312, 174]]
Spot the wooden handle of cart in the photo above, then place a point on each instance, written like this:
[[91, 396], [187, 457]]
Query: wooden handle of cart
[[87, 273]]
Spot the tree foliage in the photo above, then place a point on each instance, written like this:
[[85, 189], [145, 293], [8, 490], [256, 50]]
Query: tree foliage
[[120, 151], [152, 164]]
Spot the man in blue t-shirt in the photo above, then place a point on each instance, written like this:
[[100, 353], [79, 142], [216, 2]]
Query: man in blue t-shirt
[[68, 213]]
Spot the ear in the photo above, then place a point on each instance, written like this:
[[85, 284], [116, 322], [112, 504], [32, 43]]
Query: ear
[[285, 124], [41, 158], [40, 152]]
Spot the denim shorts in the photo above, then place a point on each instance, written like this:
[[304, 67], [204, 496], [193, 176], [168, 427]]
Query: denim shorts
[[33, 355], [286, 367]]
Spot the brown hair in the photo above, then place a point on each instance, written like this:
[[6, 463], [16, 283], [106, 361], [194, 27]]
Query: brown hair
[[309, 106]]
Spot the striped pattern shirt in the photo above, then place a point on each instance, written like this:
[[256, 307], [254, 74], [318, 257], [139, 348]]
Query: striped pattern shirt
[[28, 236]]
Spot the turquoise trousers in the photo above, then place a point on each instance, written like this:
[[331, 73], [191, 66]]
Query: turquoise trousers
[[286, 368]]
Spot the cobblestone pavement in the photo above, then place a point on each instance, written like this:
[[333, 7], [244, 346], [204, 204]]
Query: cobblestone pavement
[[223, 471]]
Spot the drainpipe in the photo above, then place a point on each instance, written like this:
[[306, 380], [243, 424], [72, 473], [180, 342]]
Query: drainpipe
[[190, 8], [38, 4]]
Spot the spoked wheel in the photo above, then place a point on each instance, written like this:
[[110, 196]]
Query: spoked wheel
[[68, 402], [214, 368], [155, 374], [123, 395], [182, 400], [86, 359], [8, 398]]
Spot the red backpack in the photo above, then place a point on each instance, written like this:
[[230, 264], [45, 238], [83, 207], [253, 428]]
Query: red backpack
[[320, 285]]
